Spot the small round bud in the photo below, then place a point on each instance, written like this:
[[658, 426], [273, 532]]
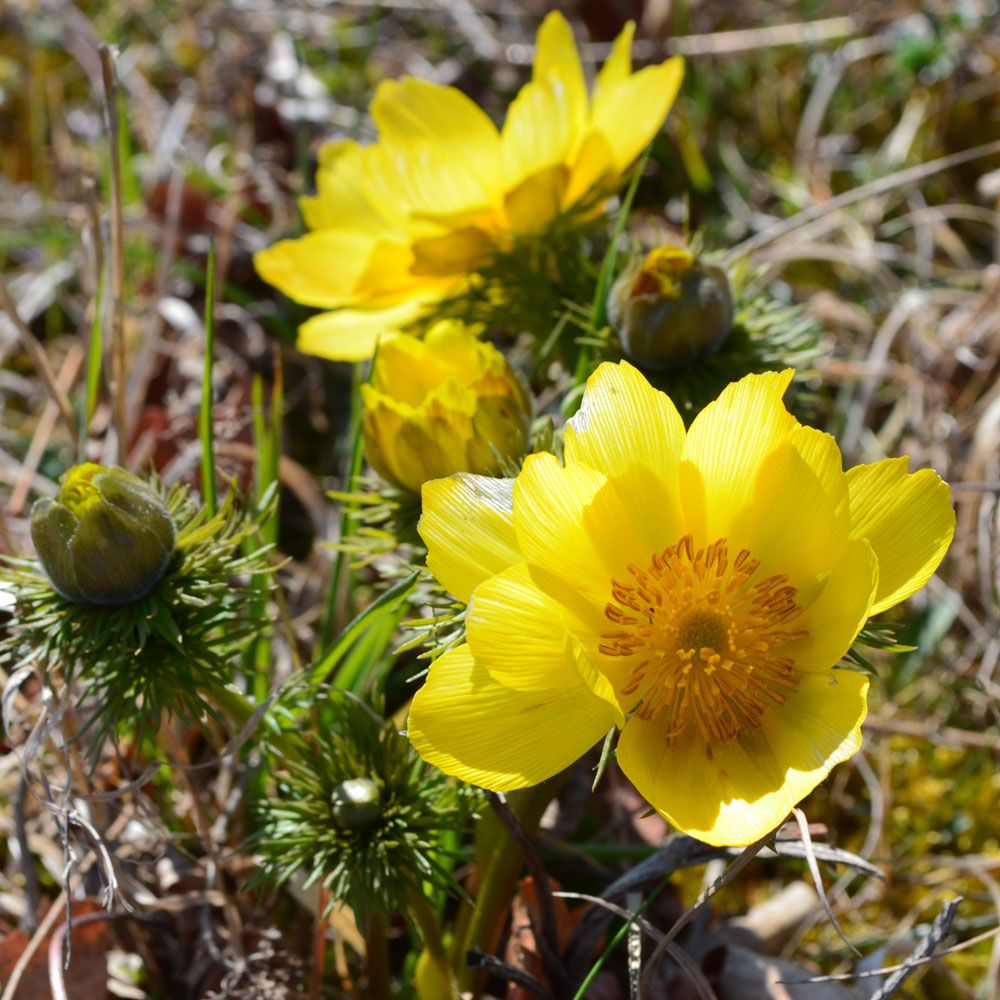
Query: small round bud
[[670, 309], [105, 538], [357, 803]]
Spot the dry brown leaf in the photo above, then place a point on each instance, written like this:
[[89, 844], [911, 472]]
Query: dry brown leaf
[[87, 978]]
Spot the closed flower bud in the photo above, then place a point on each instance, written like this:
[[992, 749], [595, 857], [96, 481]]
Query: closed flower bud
[[447, 403], [105, 538], [670, 309], [357, 803]]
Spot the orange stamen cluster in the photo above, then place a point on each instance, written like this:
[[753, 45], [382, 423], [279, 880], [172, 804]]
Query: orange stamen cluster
[[706, 636]]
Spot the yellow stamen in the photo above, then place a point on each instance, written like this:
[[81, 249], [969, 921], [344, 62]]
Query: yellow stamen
[[705, 632], [78, 491]]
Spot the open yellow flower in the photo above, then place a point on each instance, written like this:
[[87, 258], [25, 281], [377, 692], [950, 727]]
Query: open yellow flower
[[401, 224], [696, 588], [447, 403]]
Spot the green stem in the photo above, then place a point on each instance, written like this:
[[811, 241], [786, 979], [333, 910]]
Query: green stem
[[430, 930], [435, 979], [498, 863], [239, 709]]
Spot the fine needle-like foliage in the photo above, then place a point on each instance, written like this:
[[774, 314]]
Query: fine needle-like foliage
[[165, 652], [356, 810]]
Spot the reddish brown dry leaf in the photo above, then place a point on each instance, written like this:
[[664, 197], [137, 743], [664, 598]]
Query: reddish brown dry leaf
[[87, 978], [521, 949]]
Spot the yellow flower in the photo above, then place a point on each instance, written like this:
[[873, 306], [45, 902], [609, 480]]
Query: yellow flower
[[447, 403], [401, 224], [695, 588]]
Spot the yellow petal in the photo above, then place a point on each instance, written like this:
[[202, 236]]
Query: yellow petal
[[537, 137], [571, 522], [909, 521], [631, 112], [418, 109], [351, 334], [748, 785], [836, 616], [617, 67], [389, 274], [407, 370], [821, 453], [544, 133], [342, 201], [592, 175], [408, 446], [810, 535], [469, 725], [537, 200], [520, 635], [460, 251], [467, 526], [728, 441], [318, 269], [499, 429], [557, 62], [634, 435], [429, 179]]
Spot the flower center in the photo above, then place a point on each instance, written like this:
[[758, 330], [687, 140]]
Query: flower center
[[704, 633], [78, 491]]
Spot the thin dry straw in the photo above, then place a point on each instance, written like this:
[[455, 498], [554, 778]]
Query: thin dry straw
[[39, 360]]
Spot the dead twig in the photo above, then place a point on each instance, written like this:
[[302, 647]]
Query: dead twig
[[701, 984], [800, 818], [24, 959], [939, 735], [901, 178], [548, 940], [43, 430], [40, 360], [746, 856], [925, 950], [910, 963]]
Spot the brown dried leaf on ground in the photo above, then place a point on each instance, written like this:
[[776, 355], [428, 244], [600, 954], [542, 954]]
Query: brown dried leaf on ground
[[522, 949], [87, 977]]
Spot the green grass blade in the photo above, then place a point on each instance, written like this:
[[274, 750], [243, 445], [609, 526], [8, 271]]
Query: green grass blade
[[614, 942], [131, 187], [599, 310], [267, 444], [369, 659], [385, 604], [325, 635], [93, 380], [599, 306]]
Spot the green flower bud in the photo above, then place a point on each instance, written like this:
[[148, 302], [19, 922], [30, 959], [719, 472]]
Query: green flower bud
[[105, 538], [357, 803], [669, 309]]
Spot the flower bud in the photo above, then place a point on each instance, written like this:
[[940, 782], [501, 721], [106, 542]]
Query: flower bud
[[447, 403], [357, 803], [670, 309], [105, 538]]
